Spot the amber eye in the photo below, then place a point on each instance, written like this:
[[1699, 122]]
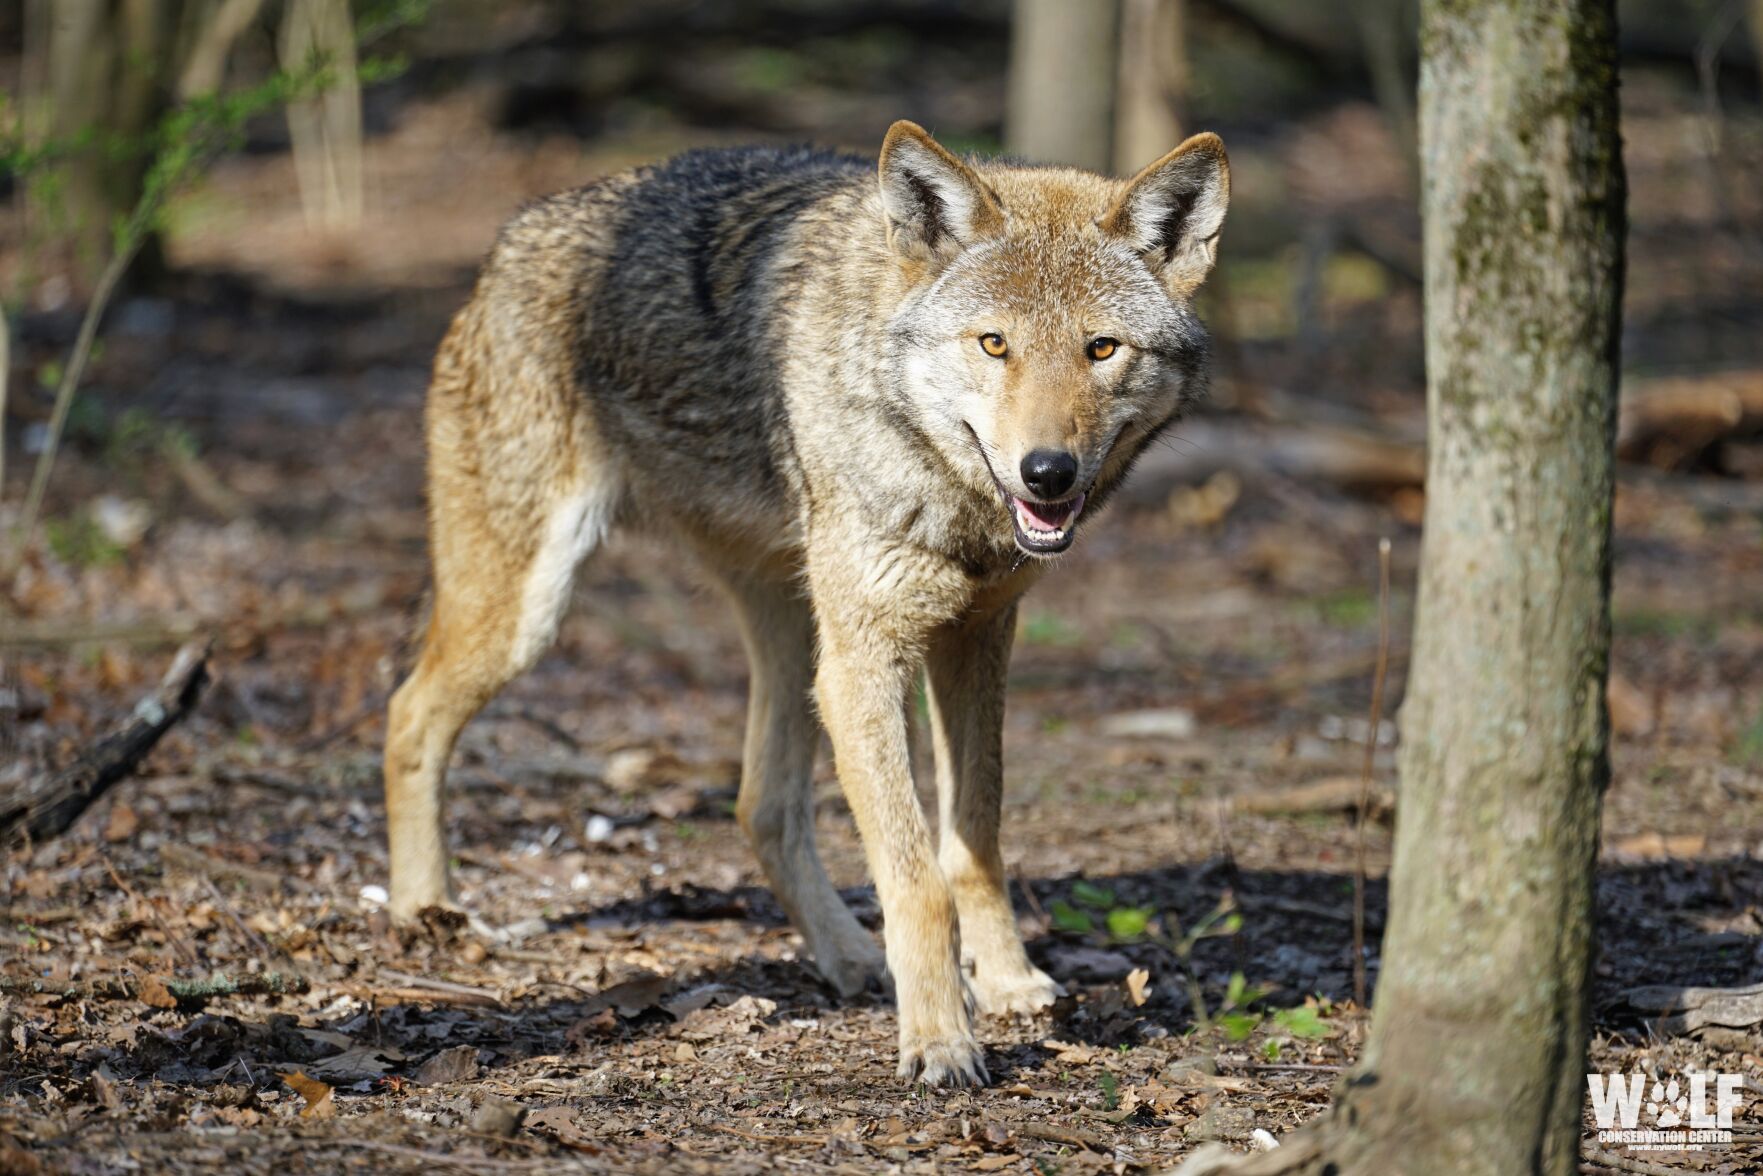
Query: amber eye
[[993, 345], [1102, 348]]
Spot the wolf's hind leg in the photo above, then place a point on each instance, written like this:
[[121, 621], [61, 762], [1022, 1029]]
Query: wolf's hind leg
[[776, 805], [499, 593], [965, 669]]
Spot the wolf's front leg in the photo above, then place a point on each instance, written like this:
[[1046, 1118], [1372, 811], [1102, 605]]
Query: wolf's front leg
[[868, 661], [966, 668]]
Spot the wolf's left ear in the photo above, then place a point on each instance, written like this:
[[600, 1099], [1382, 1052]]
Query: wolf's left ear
[[936, 206], [1171, 212]]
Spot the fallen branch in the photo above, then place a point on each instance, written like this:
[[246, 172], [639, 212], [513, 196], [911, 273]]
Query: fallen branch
[[1668, 423], [794, 1140], [56, 633], [1048, 1133], [47, 807], [1304, 451], [408, 987], [1622, 1163], [194, 861], [1728, 1008], [391, 996], [190, 992], [1664, 423], [1331, 794]]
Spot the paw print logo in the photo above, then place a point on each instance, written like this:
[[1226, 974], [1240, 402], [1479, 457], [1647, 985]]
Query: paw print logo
[[1668, 1105]]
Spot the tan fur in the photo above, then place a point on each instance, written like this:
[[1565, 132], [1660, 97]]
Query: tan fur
[[772, 358]]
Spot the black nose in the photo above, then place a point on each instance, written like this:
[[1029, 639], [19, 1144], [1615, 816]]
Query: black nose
[[1049, 473]]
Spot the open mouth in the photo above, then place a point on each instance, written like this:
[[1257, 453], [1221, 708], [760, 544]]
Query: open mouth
[[1045, 528], [1042, 528]]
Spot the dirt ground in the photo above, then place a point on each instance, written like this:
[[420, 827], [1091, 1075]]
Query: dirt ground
[[1186, 727]]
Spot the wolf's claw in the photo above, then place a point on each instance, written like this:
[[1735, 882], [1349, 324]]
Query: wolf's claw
[[945, 1063], [1021, 995]]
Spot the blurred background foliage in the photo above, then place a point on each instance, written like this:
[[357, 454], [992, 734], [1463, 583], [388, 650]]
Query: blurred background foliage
[[399, 175]]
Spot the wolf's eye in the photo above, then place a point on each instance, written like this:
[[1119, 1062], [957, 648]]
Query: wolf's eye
[[1103, 347], [993, 345]]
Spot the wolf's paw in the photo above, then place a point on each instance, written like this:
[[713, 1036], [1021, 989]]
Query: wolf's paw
[[956, 1062], [855, 967], [1016, 994], [406, 909]]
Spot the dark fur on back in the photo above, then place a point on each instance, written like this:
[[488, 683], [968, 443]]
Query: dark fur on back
[[835, 382]]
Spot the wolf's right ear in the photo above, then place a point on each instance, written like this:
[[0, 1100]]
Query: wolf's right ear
[[1171, 212], [936, 206]]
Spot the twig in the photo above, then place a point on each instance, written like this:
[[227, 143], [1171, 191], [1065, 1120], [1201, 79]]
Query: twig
[[1048, 1133], [171, 937], [429, 984], [60, 914], [128, 246], [1376, 721], [21, 634], [228, 774], [5, 372], [1610, 1159], [195, 861], [1028, 892], [476, 1163], [534, 719], [384, 996], [191, 991], [46, 807], [250, 935], [29, 634], [810, 1140], [374, 706], [204, 484]]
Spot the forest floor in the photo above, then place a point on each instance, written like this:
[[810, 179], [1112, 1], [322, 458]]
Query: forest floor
[[1187, 722]]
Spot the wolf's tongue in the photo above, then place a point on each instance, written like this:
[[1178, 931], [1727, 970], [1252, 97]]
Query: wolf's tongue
[[1049, 516]]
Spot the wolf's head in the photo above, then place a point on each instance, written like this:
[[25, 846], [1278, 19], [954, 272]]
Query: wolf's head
[[1048, 335]]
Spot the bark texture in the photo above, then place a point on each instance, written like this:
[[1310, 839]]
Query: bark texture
[[1062, 76], [1153, 86], [1476, 1058], [1504, 756]]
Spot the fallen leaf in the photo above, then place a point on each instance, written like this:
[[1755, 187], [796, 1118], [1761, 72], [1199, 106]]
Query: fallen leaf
[[633, 997], [602, 1024], [104, 1089], [458, 1064], [995, 1163], [1138, 987], [315, 1094], [356, 1063], [122, 823], [153, 992], [1071, 1054], [497, 1116], [733, 1021], [559, 1123]]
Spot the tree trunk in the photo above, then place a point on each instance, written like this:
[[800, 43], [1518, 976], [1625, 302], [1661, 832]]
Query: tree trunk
[[1061, 90], [1153, 82], [1476, 1060], [325, 129], [105, 75]]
